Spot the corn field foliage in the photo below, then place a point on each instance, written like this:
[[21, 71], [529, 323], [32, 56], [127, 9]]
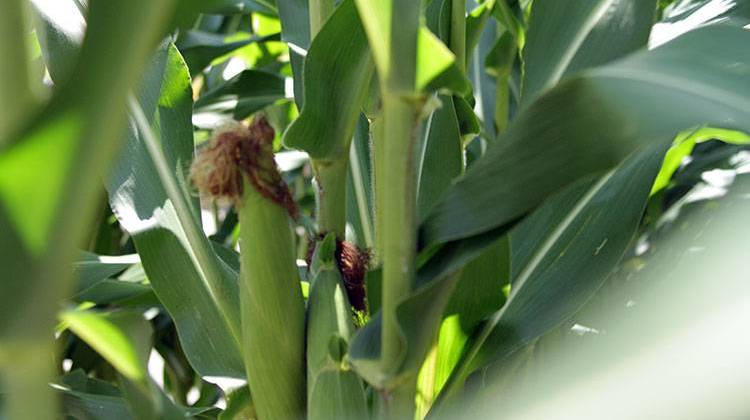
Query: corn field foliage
[[396, 209]]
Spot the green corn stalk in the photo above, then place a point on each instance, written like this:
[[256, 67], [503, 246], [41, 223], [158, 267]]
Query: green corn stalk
[[334, 391]]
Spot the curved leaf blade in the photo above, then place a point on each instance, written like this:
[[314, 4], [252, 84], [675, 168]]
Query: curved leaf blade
[[568, 36], [592, 121], [337, 72]]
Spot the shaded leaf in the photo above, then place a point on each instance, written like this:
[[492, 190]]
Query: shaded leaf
[[565, 37], [337, 71], [592, 122], [166, 240]]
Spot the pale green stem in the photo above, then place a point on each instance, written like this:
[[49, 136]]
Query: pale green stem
[[458, 32], [396, 196], [398, 206], [330, 189], [272, 308]]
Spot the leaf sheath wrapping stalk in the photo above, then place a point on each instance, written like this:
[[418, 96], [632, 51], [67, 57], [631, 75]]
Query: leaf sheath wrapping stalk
[[272, 308], [334, 391]]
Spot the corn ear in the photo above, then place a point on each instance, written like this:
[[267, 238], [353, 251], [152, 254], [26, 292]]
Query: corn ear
[[272, 308]]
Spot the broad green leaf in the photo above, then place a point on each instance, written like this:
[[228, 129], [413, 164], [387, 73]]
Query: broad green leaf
[[164, 223], [337, 72], [593, 121], [563, 254], [110, 336], [567, 36]]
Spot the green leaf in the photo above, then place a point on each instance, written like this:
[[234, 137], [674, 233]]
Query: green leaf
[[683, 146], [477, 295], [111, 335], [567, 36], [592, 122], [165, 225], [436, 66], [562, 254], [91, 268], [337, 73]]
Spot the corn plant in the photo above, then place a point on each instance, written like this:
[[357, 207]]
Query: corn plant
[[323, 209]]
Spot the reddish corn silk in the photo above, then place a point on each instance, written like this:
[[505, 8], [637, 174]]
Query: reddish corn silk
[[235, 150]]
